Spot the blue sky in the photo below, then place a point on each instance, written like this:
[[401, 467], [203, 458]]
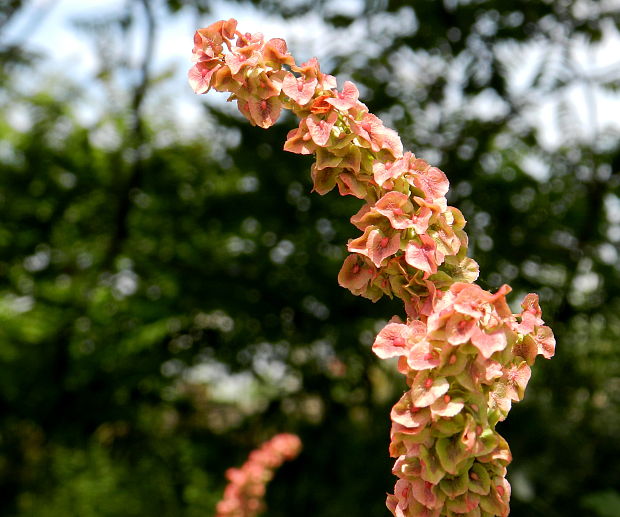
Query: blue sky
[[46, 26]]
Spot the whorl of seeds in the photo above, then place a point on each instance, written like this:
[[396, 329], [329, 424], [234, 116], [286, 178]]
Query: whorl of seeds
[[465, 355], [243, 496]]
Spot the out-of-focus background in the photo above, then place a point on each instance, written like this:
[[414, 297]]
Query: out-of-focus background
[[168, 293]]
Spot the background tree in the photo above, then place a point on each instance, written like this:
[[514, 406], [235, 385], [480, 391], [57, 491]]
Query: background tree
[[169, 301]]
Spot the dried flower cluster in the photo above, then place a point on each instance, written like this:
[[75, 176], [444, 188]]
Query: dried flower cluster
[[465, 365], [412, 242], [466, 357], [243, 496]]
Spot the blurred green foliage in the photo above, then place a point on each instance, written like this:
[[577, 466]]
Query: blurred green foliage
[[167, 302]]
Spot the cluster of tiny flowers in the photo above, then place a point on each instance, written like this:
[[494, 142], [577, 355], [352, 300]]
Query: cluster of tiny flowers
[[412, 242], [465, 356], [243, 496], [465, 365]]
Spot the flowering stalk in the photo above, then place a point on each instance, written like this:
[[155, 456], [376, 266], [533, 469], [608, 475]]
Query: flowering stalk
[[465, 356], [243, 496]]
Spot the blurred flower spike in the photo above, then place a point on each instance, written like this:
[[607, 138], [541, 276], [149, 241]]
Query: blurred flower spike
[[243, 496], [465, 355]]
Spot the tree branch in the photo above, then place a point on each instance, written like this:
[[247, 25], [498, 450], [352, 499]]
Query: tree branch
[[136, 138]]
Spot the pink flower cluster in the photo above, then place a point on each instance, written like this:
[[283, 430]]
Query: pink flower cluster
[[243, 496], [412, 242], [465, 365], [465, 355]]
